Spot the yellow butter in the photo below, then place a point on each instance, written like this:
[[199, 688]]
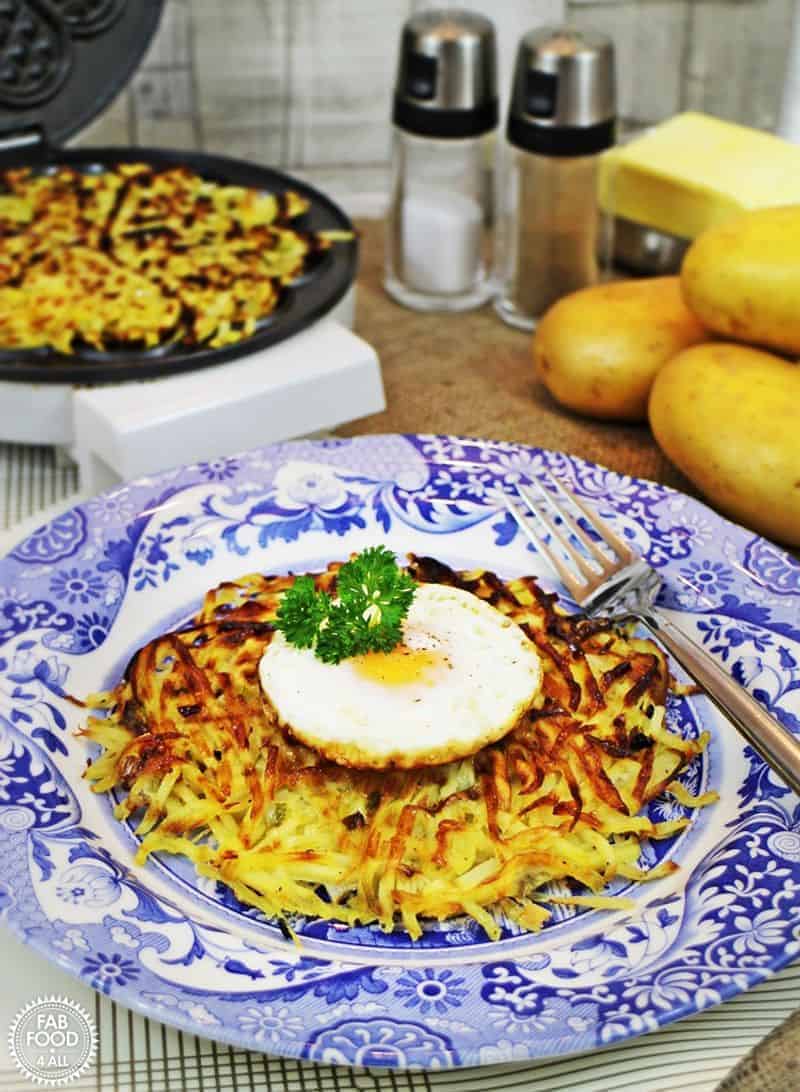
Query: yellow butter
[[694, 171]]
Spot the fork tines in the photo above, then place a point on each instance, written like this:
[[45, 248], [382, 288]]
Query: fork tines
[[592, 571]]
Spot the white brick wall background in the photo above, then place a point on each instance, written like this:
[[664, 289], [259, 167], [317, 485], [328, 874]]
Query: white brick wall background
[[306, 84]]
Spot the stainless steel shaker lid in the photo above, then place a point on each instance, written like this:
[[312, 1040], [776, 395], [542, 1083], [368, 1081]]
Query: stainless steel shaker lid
[[447, 75], [563, 100]]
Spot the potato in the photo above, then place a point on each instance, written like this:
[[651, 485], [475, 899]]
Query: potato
[[598, 350], [742, 278], [727, 417]]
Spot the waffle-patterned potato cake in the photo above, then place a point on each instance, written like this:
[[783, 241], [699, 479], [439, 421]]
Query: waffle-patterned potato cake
[[204, 770], [137, 257]]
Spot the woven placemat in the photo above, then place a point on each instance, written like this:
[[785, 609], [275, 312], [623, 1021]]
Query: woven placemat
[[773, 1066], [470, 374]]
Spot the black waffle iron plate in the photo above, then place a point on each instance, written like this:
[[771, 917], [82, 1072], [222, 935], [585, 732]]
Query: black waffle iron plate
[[61, 62]]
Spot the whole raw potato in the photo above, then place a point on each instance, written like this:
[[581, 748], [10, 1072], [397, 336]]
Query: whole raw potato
[[742, 279], [598, 350], [727, 417]]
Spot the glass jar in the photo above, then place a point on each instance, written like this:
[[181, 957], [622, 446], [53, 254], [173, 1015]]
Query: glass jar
[[438, 227], [445, 113], [552, 236]]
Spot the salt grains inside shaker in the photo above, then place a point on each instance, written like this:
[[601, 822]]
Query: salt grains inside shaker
[[445, 109]]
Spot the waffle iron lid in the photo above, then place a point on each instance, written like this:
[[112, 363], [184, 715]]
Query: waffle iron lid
[[62, 61]]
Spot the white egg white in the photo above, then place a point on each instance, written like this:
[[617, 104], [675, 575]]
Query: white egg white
[[461, 679]]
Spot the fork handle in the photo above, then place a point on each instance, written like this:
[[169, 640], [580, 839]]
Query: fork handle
[[774, 743]]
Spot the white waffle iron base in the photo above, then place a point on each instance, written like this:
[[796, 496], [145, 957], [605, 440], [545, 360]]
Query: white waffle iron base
[[315, 380]]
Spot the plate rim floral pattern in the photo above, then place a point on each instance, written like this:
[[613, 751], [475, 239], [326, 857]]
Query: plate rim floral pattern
[[67, 593]]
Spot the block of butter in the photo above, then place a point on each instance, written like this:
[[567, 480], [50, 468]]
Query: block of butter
[[694, 171]]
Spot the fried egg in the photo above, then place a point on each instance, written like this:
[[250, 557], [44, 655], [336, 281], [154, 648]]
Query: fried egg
[[462, 678]]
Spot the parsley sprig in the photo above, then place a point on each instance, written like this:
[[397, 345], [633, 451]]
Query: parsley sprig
[[373, 596]]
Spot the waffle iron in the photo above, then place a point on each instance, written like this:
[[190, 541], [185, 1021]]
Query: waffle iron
[[122, 413], [61, 62]]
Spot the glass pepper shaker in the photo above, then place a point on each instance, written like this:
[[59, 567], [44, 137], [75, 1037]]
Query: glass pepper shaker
[[445, 111], [553, 237]]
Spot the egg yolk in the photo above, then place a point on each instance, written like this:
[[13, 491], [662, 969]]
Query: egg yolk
[[399, 667]]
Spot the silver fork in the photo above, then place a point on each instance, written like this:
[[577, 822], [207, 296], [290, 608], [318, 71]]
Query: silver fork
[[626, 587]]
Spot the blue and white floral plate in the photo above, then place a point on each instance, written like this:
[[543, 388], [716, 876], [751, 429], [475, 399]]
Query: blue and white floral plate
[[82, 593]]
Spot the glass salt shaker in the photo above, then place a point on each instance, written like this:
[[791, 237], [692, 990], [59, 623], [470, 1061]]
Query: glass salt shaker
[[553, 237], [445, 112]]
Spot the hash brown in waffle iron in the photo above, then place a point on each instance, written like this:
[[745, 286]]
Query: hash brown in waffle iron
[[137, 257]]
